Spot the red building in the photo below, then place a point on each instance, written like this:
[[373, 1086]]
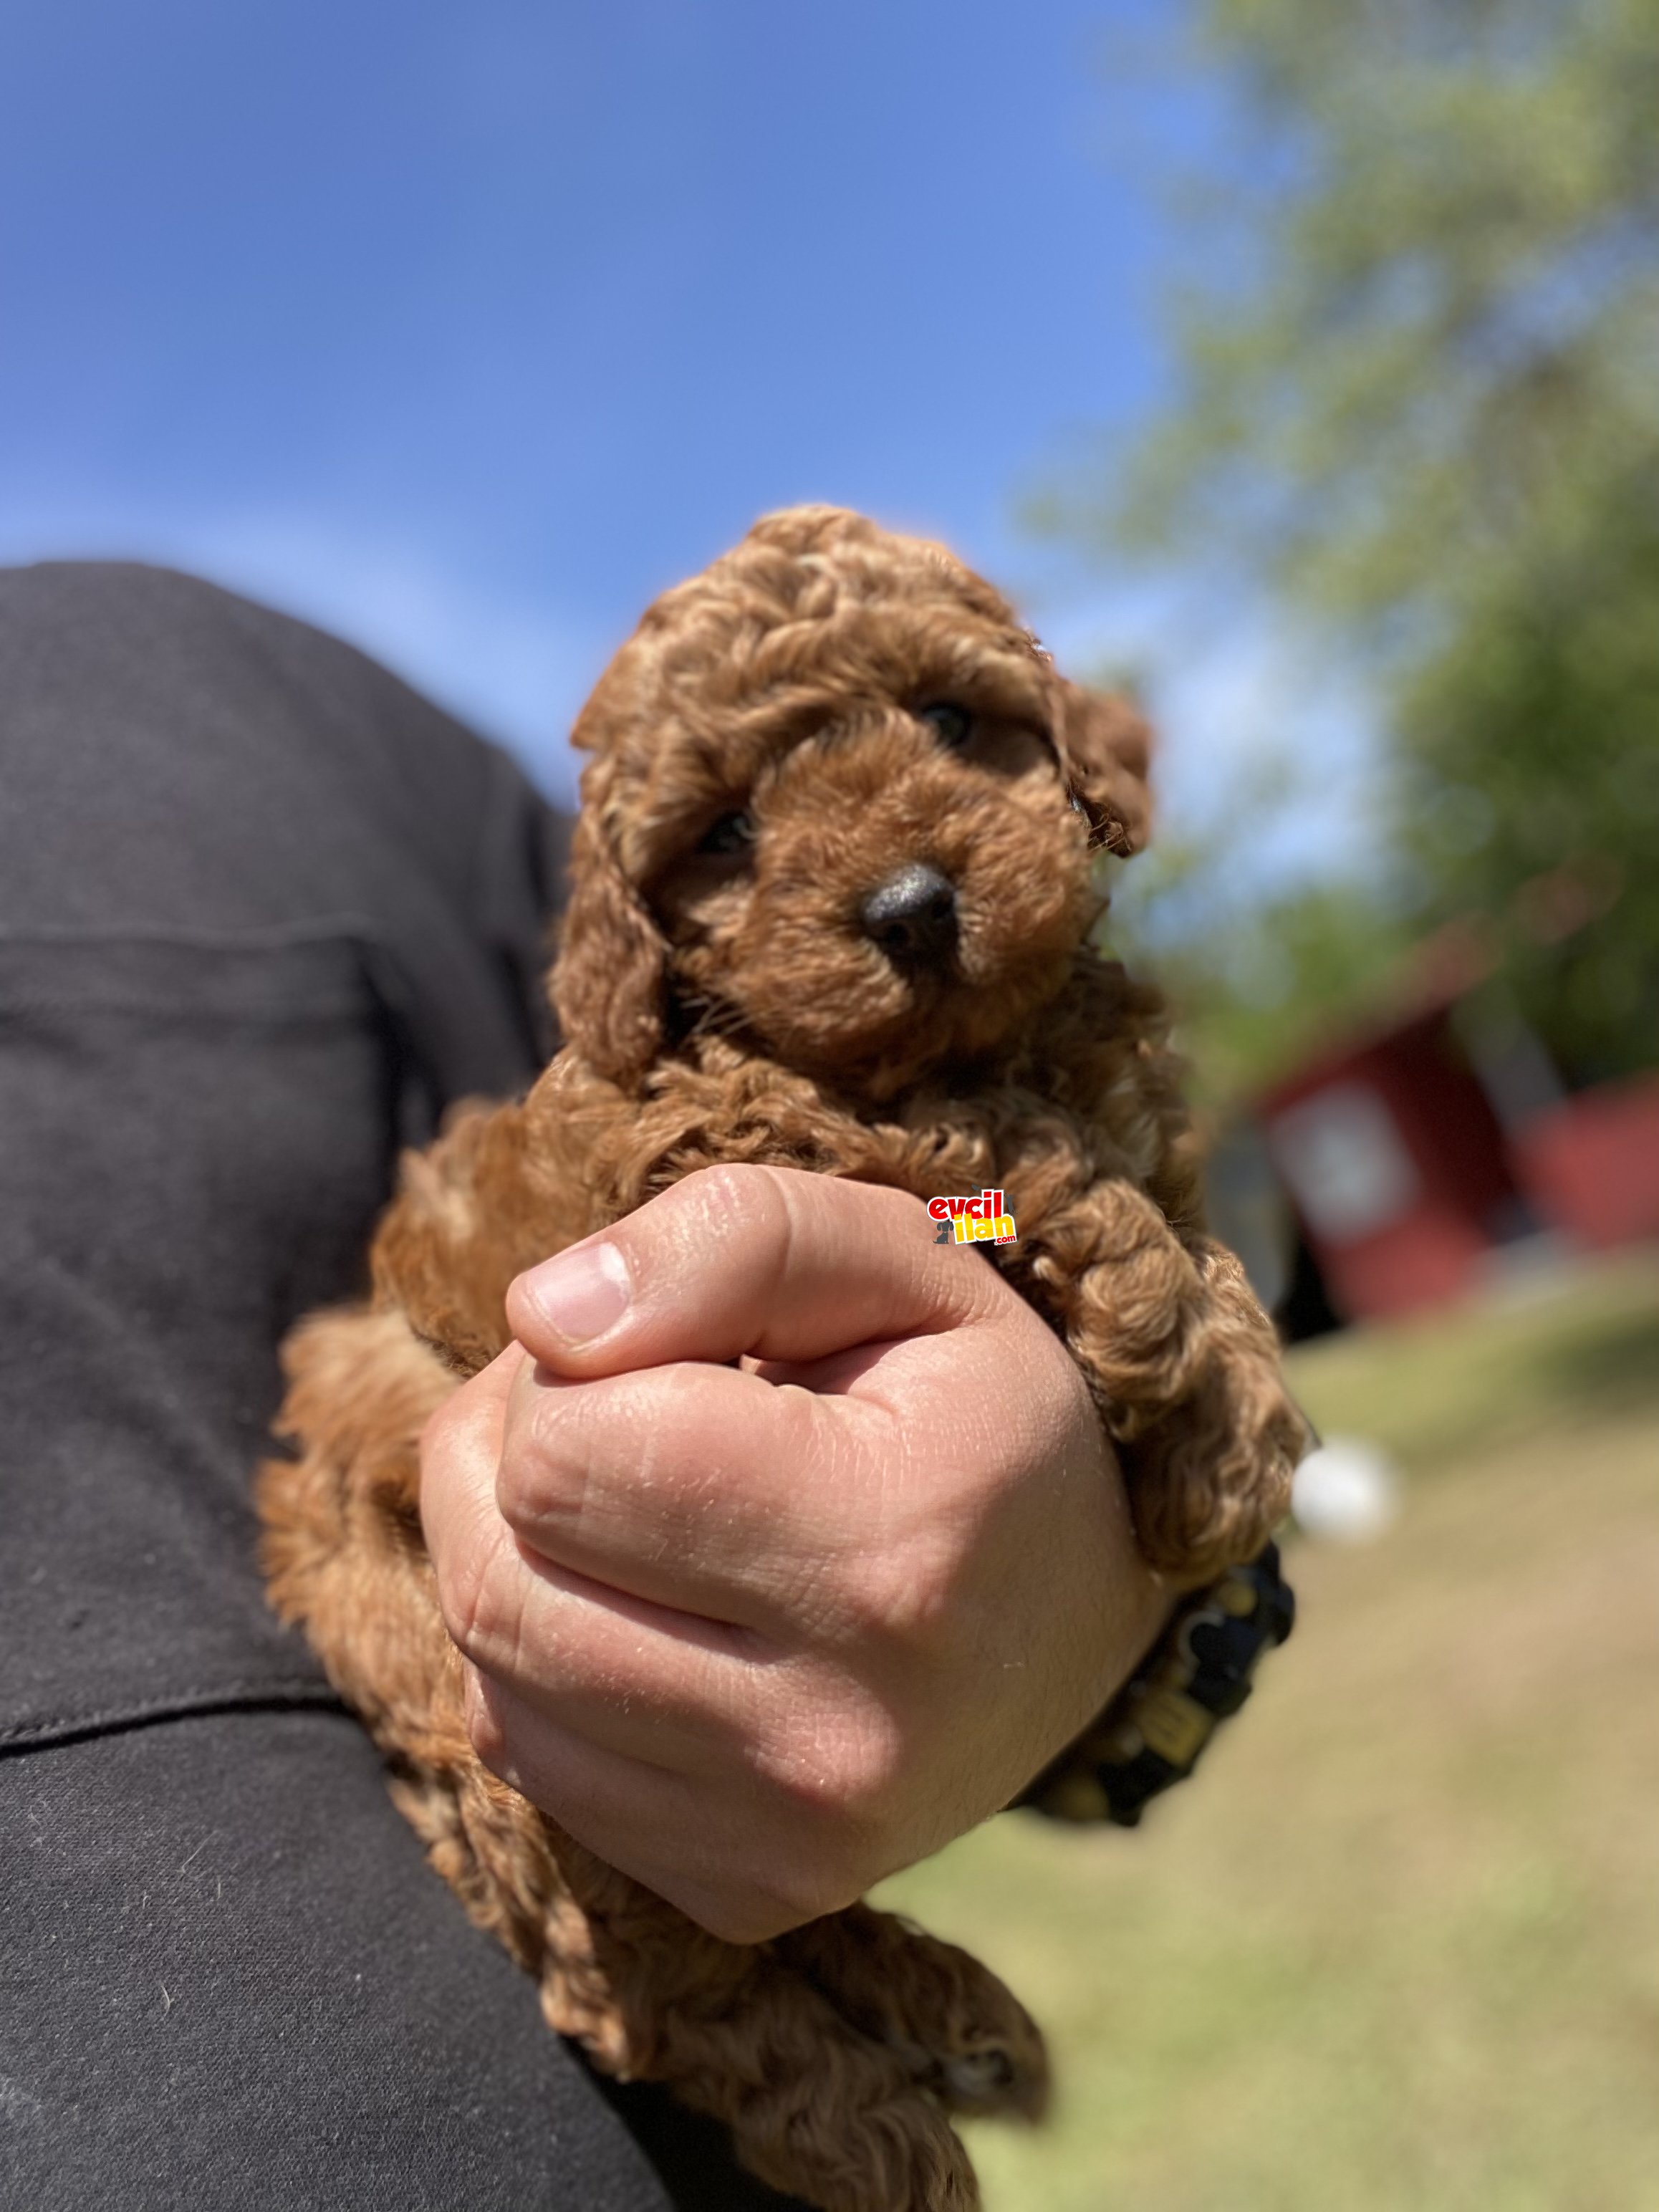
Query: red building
[[1412, 1152]]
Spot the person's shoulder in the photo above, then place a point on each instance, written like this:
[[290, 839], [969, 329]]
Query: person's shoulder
[[98, 611], [79, 585]]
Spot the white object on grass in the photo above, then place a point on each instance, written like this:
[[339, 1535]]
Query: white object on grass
[[1347, 1490]]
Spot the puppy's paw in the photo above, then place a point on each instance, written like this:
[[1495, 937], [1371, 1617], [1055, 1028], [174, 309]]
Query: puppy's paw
[[994, 2078], [958, 2031]]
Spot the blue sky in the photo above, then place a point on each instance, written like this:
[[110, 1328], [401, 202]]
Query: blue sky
[[463, 329]]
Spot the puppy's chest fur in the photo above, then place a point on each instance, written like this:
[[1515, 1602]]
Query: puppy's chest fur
[[1089, 1100]]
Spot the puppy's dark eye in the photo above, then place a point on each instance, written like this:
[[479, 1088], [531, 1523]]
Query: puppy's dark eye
[[732, 832], [953, 724]]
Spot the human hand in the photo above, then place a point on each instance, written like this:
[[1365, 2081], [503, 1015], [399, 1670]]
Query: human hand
[[761, 1633]]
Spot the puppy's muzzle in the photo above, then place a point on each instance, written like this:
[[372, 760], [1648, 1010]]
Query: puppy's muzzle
[[913, 915]]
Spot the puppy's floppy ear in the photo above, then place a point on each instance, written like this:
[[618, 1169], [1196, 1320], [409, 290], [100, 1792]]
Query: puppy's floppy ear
[[1107, 744], [610, 981]]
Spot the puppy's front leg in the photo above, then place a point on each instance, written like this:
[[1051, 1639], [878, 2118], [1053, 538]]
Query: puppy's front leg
[[1184, 1367]]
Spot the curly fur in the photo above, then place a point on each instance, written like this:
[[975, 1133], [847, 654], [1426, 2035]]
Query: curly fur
[[727, 1001]]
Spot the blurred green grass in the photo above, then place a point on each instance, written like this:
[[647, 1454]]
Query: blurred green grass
[[1578, 1344], [1398, 1944]]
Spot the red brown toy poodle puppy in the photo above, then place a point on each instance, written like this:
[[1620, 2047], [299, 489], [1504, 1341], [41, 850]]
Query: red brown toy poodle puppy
[[831, 897]]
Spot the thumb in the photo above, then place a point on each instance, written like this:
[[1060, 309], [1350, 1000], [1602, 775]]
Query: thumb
[[773, 1263]]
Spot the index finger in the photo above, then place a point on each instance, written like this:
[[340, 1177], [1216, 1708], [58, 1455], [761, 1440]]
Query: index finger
[[774, 1263]]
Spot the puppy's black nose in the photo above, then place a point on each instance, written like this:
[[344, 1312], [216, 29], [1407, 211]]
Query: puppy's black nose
[[913, 915]]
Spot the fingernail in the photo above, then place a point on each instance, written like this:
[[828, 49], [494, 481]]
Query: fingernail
[[582, 1294]]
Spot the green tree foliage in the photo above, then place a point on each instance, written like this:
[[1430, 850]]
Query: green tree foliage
[[1255, 982], [1420, 396]]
